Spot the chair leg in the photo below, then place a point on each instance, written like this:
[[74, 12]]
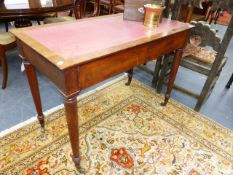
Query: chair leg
[[110, 9], [217, 16], [208, 15], [206, 91], [202, 98], [229, 82], [4, 68], [164, 66], [211, 16], [6, 26], [130, 76], [38, 22], [156, 72], [70, 13], [97, 8]]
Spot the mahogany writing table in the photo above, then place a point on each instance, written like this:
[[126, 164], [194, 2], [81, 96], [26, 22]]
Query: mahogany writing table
[[77, 55]]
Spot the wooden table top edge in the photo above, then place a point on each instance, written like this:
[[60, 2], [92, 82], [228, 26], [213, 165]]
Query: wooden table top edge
[[62, 63]]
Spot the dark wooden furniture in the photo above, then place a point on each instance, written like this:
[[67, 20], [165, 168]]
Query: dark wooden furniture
[[22, 13], [113, 6], [7, 42], [80, 5], [229, 82], [88, 59], [198, 58], [98, 4], [212, 70]]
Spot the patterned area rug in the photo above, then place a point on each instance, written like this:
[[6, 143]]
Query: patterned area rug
[[124, 131]]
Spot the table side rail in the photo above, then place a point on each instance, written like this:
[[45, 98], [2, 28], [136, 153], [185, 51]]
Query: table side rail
[[78, 77], [102, 68]]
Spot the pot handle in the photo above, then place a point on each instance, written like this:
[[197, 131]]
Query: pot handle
[[141, 10]]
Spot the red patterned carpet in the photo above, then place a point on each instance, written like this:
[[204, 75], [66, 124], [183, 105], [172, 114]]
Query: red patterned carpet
[[124, 131]]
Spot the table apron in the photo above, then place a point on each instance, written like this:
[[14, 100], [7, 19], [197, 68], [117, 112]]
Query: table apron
[[52, 72], [100, 69]]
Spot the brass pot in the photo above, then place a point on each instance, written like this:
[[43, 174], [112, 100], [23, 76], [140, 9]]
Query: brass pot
[[153, 15]]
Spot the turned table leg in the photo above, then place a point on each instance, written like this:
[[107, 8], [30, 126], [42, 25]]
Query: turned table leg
[[73, 128], [33, 84], [130, 76], [175, 65], [4, 68]]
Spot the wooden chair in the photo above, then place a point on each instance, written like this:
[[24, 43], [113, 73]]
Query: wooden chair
[[98, 4], [162, 68], [78, 13], [7, 42], [113, 6], [200, 59], [219, 60]]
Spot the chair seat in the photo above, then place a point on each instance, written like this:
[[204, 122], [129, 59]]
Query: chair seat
[[200, 53], [119, 8], [6, 38], [58, 19]]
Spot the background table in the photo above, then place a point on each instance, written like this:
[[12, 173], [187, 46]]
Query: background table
[[74, 61], [21, 10]]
